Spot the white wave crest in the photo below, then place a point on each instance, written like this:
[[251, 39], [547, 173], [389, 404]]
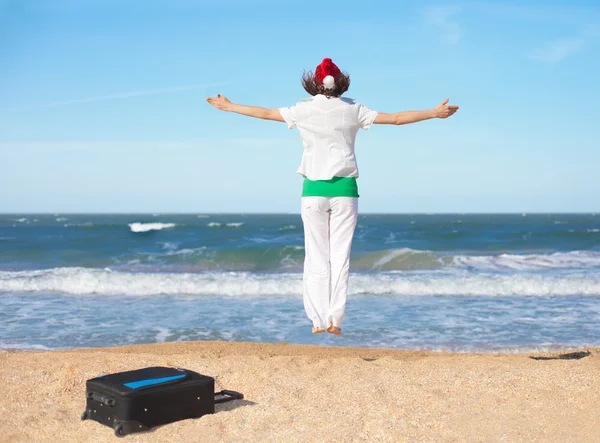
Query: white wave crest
[[169, 246], [186, 251], [229, 225], [395, 253], [68, 225], [145, 227], [557, 260], [241, 284]]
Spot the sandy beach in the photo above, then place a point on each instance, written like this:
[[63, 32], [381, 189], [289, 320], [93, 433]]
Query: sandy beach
[[314, 393]]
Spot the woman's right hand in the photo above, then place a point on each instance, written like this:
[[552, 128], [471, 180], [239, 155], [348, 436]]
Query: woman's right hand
[[443, 110]]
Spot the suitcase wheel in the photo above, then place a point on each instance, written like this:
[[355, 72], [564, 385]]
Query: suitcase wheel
[[119, 431], [84, 416]]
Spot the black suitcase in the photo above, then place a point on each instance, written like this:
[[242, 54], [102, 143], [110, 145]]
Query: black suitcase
[[136, 401]]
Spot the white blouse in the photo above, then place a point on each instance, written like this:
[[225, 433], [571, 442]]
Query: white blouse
[[328, 127]]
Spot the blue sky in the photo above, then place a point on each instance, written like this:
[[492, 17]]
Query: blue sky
[[102, 103]]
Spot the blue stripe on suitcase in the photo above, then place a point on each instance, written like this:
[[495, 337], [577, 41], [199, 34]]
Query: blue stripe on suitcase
[[151, 381]]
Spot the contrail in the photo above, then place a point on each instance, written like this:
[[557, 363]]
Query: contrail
[[122, 95]]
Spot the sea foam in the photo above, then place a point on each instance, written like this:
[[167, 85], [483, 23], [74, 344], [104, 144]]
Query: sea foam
[[247, 284]]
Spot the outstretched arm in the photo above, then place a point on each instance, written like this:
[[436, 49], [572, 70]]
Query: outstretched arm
[[224, 104], [443, 110]]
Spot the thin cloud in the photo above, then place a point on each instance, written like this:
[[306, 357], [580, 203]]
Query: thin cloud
[[122, 95], [141, 146], [101, 146], [559, 14], [443, 18], [555, 51]]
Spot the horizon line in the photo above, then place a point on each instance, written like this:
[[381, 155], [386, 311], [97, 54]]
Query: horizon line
[[298, 213]]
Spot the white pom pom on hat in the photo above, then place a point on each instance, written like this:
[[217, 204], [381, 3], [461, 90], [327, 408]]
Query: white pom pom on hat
[[326, 73], [329, 82]]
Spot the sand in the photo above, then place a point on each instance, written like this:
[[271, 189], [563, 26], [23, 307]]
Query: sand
[[318, 394]]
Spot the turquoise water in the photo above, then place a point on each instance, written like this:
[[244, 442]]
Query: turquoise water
[[507, 282]]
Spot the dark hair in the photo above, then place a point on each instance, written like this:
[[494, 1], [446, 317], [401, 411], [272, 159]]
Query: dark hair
[[342, 83]]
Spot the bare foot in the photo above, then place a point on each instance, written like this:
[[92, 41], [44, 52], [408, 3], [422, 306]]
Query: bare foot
[[317, 330], [334, 330]]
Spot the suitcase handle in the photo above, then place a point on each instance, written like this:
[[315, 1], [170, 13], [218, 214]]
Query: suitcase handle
[[228, 396], [101, 398]]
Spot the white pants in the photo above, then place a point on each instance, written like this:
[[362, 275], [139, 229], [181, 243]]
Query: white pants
[[329, 224]]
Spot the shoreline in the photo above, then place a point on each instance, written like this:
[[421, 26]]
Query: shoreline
[[300, 392], [299, 349], [331, 350]]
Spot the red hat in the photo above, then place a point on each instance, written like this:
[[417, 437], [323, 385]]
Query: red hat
[[326, 73]]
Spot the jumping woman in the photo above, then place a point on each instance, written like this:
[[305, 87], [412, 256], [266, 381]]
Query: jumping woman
[[328, 125]]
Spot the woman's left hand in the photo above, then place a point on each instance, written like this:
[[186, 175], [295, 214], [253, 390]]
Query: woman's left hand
[[220, 102]]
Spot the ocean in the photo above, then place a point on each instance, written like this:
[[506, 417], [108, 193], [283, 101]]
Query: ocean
[[447, 282]]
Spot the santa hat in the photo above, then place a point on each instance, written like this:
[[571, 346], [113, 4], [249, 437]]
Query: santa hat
[[326, 73]]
